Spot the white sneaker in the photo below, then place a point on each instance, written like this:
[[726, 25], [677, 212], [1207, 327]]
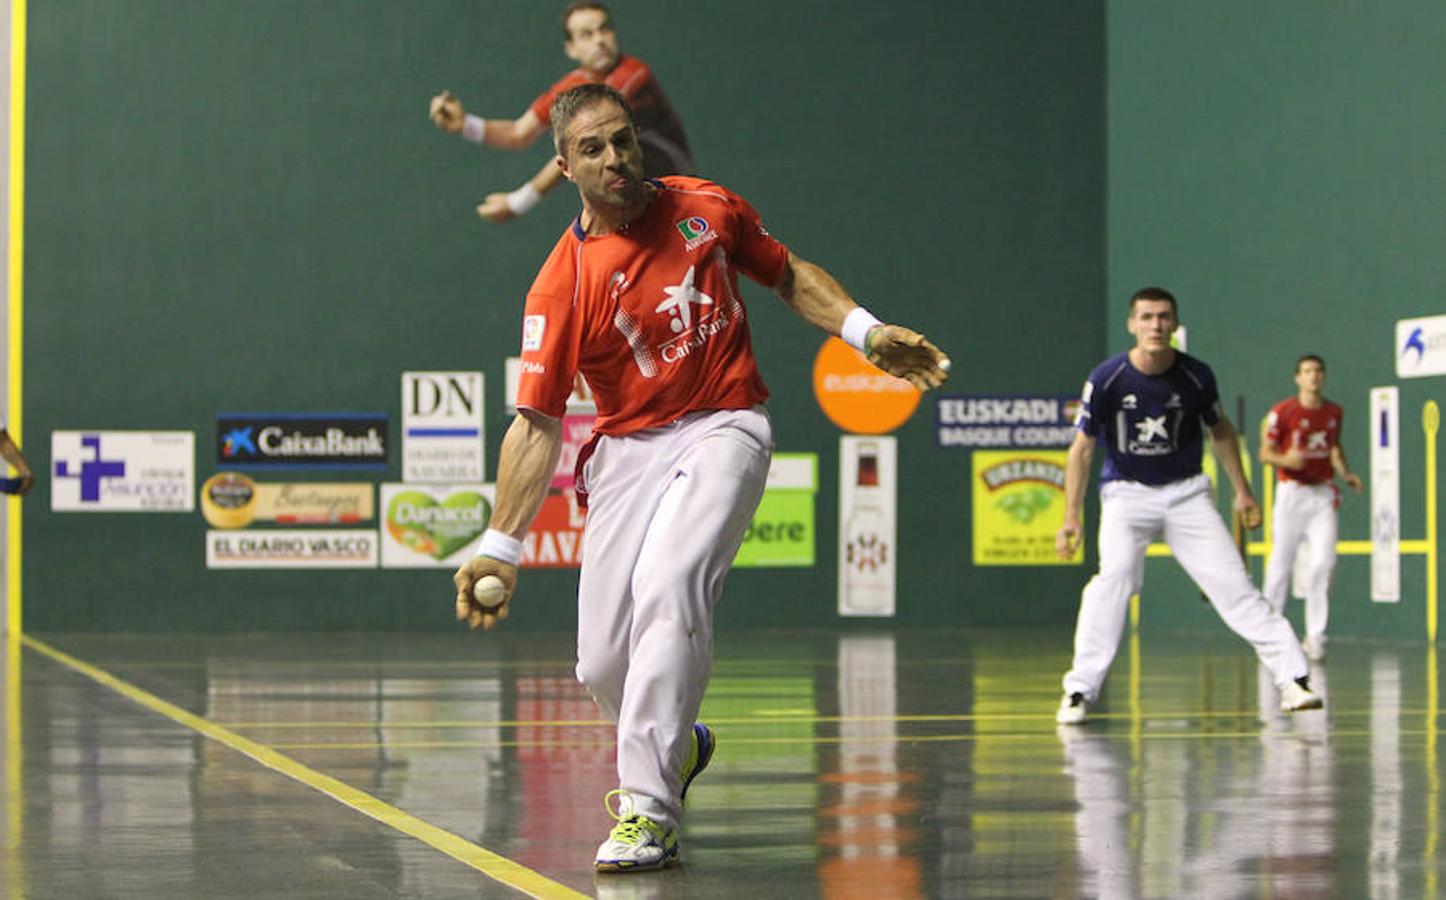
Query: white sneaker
[[1073, 710], [1297, 695], [1314, 647], [636, 843]]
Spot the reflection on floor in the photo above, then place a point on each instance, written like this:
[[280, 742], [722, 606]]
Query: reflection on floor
[[881, 764]]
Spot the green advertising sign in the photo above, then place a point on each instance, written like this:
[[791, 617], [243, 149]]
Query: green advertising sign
[[782, 533]]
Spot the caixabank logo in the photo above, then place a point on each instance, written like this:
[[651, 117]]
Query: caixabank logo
[[301, 440]]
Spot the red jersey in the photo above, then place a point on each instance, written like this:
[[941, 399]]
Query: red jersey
[[651, 315], [660, 131], [1313, 431]]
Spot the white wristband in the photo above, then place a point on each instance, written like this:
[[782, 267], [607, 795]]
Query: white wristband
[[501, 546], [523, 199], [856, 326], [474, 128]]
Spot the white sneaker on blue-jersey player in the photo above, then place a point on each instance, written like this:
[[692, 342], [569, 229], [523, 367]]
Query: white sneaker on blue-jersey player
[[1073, 710], [636, 843], [1297, 695]]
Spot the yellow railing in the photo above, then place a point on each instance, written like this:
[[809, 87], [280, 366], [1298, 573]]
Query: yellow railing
[[1427, 546]]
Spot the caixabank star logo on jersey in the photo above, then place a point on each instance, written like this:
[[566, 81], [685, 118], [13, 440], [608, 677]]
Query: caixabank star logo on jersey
[[689, 315], [1018, 507]]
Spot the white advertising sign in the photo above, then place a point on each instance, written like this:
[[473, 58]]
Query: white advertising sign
[[868, 499], [1385, 495], [123, 471], [1421, 347], [442, 432], [433, 526], [350, 548]]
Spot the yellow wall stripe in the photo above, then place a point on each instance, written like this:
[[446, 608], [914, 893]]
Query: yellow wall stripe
[[485, 861], [16, 259]]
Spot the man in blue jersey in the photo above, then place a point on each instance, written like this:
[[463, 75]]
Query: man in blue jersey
[[1146, 407]]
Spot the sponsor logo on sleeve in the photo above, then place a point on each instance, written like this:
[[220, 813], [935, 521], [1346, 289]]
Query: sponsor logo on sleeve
[[533, 328]]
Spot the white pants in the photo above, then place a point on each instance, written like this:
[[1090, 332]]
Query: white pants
[[1131, 515], [667, 511], [1304, 511]]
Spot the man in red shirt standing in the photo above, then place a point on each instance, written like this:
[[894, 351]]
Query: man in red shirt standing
[[640, 295], [1301, 438], [593, 45]]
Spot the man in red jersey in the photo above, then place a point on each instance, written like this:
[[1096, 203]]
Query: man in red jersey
[[593, 45], [640, 295], [1301, 438]]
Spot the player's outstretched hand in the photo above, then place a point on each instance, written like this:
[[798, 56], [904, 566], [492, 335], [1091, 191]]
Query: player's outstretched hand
[[447, 112], [1249, 511], [906, 354], [495, 209], [468, 609], [1354, 481]]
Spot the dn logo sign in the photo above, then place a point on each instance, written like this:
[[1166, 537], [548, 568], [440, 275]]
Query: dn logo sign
[[442, 427], [443, 395]]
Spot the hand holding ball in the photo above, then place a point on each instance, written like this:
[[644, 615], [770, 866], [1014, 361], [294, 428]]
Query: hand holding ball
[[489, 592]]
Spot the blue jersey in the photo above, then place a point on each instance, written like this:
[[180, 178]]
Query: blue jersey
[[1149, 425]]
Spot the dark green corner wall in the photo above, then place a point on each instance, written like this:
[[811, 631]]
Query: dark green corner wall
[[1282, 166], [242, 206]]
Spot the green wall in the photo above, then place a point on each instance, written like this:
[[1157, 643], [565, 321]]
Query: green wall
[[242, 206], [1280, 166]]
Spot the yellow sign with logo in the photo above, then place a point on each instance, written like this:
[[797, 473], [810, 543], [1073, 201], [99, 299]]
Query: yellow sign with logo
[[1018, 507]]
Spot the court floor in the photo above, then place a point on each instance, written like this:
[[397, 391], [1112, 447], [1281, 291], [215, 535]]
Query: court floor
[[852, 762]]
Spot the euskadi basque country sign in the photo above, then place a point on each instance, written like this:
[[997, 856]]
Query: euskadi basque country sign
[[1002, 422], [301, 440]]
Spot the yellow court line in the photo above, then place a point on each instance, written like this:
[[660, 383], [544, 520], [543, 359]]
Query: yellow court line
[[16, 320], [968, 737], [761, 720], [492, 865], [1415, 547]]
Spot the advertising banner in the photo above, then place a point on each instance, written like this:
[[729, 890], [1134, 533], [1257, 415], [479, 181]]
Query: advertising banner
[[234, 500], [997, 422], [442, 427], [1385, 495], [868, 498], [301, 440], [433, 526], [782, 533], [1018, 499], [1421, 347], [555, 541], [576, 431], [857, 396], [123, 471], [282, 549]]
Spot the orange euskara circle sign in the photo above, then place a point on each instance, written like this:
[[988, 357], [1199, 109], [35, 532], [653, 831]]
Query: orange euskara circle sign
[[856, 396]]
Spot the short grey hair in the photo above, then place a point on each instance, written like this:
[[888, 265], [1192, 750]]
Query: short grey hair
[[569, 103]]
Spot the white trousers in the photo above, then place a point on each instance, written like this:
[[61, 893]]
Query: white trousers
[[667, 511], [1304, 511], [1131, 515]]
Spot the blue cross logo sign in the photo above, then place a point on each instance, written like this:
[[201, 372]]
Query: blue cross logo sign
[[91, 470]]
